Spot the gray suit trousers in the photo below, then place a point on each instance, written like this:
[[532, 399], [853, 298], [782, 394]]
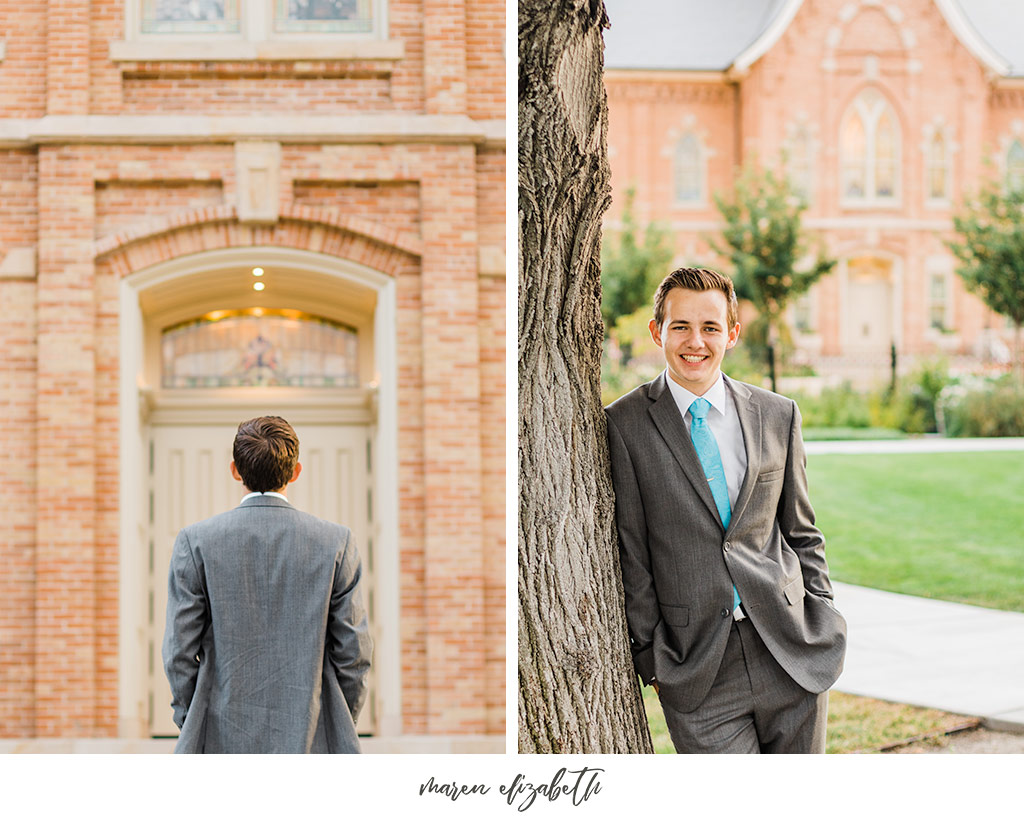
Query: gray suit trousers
[[754, 706]]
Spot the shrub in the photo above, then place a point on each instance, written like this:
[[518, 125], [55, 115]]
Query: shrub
[[839, 406], [996, 411]]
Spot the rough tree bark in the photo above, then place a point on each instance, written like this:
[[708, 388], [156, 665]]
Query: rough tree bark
[[577, 688]]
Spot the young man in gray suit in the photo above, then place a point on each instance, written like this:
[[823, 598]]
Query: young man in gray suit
[[266, 647], [728, 599]]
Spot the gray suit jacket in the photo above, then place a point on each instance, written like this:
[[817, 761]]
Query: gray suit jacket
[[266, 646], [679, 564]]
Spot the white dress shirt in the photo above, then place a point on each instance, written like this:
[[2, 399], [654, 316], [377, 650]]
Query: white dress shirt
[[724, 424], [254, 494]]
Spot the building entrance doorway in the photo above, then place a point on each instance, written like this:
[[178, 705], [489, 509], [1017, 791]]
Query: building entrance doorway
[[869, 327], [201, 351]]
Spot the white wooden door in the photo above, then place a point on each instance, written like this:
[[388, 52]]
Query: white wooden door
[[869, 315], [191, 480]]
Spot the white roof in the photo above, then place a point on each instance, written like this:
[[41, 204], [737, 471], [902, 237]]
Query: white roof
[[683, 34]]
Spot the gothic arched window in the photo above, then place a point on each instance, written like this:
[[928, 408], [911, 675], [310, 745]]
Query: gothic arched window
[[870, 150]]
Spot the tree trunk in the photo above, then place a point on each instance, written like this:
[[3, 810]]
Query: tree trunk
[[577, 688]]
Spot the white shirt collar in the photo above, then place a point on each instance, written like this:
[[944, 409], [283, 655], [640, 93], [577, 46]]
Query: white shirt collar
[[254, 494], [684, 397]]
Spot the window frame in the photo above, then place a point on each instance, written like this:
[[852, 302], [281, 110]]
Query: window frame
[[700, 169], [1019, 144], [943, 166], [939, 267]]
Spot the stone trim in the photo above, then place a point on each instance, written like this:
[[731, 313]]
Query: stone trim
[[329, 129]]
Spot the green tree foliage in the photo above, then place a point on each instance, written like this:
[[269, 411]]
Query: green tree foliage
[[764, 242], [631, 269], [991, 254]]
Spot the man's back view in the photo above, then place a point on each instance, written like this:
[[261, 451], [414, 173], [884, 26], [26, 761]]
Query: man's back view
[[266, 647]]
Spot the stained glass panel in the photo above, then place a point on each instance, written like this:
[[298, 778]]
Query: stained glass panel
[[323, 16], [190, 16], [259, 347]]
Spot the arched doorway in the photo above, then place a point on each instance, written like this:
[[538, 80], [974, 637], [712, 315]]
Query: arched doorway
[[187, 379]]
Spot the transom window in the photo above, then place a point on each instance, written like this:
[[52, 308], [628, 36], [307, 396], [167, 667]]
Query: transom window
[[259, 347], [870, 146]]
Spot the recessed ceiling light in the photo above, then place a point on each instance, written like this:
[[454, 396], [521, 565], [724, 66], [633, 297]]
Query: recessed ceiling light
[[259, 286], [257, 272]]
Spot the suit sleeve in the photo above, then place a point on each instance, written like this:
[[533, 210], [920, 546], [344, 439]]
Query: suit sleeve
[[348, 634], [642, 611], [796, 516], [187, 618]]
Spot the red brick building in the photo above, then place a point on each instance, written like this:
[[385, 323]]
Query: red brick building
[[886, 112], [213, 210]]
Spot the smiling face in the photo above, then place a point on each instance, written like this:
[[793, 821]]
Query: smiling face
[[694, 336]]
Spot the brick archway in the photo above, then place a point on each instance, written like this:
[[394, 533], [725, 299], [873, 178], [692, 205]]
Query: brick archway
[[300, 227]]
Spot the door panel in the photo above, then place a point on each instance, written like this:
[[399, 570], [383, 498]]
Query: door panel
[[191, 480]]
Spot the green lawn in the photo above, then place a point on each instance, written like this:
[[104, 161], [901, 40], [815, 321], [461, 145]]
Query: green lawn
[[855, 724], [942, 525]]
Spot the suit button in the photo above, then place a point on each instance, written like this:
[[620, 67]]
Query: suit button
[[726, 612], [727, 546]]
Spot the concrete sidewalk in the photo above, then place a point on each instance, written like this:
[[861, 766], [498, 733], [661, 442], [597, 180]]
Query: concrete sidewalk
[[953, 657], [914, 446]]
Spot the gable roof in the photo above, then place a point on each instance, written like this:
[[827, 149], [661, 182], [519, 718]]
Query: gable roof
[[695, 35], [684, 34]]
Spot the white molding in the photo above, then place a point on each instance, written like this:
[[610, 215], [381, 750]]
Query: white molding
[[219, 49], [380, 395], [386, 128], [971, 39], [769, 37]]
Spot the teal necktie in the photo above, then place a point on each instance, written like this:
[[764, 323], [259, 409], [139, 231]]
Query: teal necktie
[[711, 460]]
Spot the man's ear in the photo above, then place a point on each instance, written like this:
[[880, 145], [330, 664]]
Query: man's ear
[[234, 472], [734, 336], [295, 474], [655, 332]]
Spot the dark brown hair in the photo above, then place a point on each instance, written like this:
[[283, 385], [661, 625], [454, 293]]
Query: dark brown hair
[[265, 452], [698, 280]]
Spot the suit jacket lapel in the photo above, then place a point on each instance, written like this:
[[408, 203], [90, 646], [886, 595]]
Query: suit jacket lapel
[[670, 424], [749, 412]]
